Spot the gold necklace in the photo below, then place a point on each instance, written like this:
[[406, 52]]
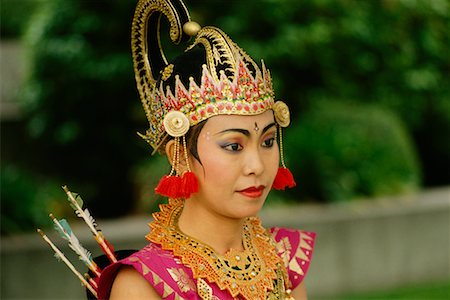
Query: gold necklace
[[250, 273]]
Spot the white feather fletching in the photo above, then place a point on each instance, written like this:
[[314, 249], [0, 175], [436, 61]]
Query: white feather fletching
[[90, 218], [82, 252], [64, 229]]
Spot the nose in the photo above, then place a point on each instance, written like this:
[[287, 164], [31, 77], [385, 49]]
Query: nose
[[254, 163]]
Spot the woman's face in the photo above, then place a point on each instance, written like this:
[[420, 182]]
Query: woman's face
[[239, 159]]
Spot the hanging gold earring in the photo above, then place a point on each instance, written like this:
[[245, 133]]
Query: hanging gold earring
[[284, 177], [189, 182], [173, 185]]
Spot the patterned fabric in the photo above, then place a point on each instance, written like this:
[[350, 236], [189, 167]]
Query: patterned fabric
[[173, 280], [250, 272], [295, 247]]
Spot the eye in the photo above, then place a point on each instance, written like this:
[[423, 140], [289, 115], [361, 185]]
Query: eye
[[268, 143], [232, 147]]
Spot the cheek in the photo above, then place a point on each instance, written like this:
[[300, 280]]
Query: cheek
[[273, 162], [214, 165]]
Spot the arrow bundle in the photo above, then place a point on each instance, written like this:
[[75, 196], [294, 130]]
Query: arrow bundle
[[66, 232]]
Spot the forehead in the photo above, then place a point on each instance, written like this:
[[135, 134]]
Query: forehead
[[222, 122]]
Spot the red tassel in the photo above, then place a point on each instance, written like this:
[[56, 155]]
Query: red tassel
[[189, 184], [283, 179], [177, 187], [169, 186]]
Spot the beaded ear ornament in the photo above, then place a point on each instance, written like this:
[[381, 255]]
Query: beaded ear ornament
[[177, 184], [284, 177]]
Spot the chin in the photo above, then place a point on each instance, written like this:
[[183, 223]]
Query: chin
[[250, 209]]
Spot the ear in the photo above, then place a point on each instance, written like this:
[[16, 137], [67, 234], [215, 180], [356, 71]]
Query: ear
[[170, 152]]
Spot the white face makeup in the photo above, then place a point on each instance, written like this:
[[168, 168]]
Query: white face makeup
[[207, 135], [239, 160]]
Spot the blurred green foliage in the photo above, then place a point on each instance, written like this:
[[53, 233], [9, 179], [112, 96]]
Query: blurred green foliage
[[390, 52], [82, 110], [146, 176], [342, 151], [15, 16], [80, 99], [26, 199]]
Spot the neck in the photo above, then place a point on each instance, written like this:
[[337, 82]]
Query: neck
[[220, 233]]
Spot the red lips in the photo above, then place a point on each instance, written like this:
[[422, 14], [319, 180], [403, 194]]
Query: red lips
[[252, 192]]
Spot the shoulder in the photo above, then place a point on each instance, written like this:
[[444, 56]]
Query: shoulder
[[296, 236], [157, 268], [129, 284], [295, 248], [121, 273]]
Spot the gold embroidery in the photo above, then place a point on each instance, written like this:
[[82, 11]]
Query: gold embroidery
[[167, 290], [289, 295], [204, 290], [294, 266], [237, 259], [279, 292], [156, 279], [185, 283], [145, 269], [303, 242], [284, 250], [253, 280]]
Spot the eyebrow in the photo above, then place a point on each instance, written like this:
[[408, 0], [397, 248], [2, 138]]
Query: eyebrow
[[245, 131]]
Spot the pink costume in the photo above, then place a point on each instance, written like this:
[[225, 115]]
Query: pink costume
[[173, 279], [213, 77]]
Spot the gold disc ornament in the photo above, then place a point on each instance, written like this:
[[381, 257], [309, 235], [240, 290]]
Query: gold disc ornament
[[281, 113], [176, 123]]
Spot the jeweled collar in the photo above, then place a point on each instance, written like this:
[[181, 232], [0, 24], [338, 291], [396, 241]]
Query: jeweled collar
[[250, 273]]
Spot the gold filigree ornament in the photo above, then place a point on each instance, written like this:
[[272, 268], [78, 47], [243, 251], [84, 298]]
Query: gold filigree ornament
[[167, 72], [281, 113], [256, 273], [176, 123]]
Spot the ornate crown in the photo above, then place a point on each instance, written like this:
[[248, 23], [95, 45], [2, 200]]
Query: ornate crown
[[230, 82]]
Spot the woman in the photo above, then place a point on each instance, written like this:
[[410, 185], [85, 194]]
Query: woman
[[212, 112]]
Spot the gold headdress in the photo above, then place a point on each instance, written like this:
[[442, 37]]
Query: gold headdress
[[213, 77]]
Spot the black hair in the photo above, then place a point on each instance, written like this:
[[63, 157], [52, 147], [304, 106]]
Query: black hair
[[187, 65]]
